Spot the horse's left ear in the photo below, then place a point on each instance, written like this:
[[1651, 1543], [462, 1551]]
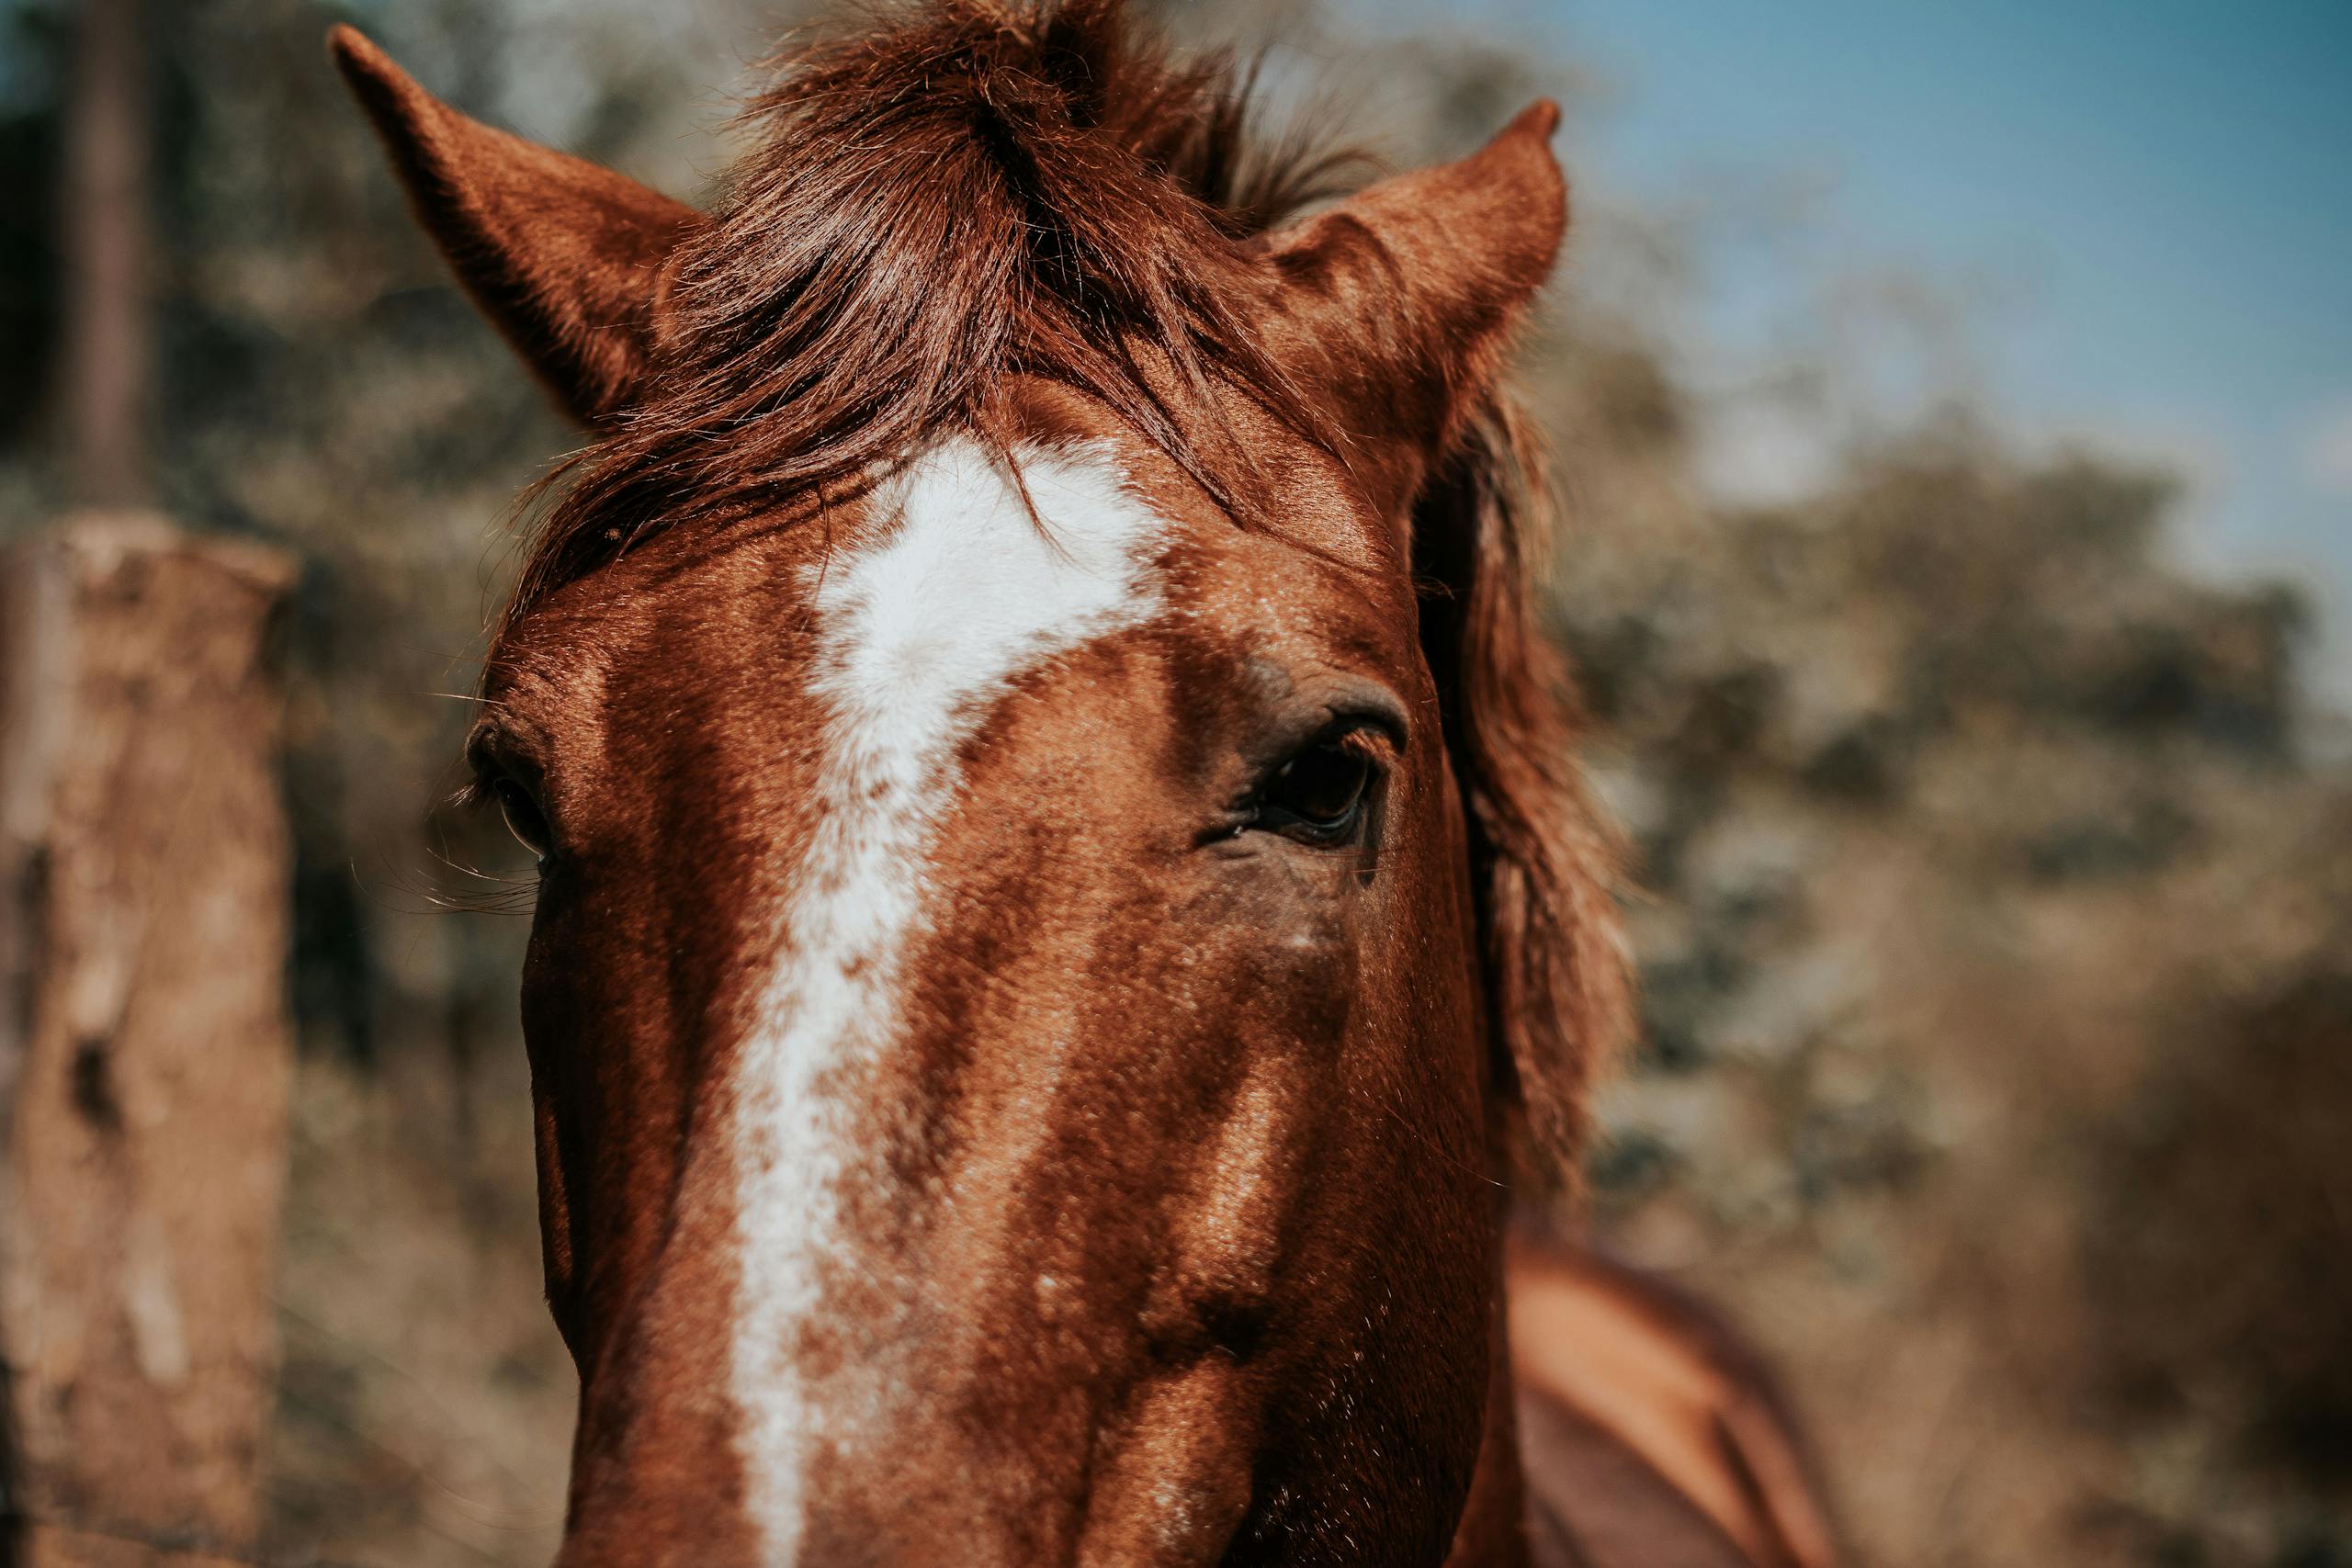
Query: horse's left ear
[[1395, 303], [565, 257]]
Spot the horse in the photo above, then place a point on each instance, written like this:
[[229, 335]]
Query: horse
[[1063, 910]]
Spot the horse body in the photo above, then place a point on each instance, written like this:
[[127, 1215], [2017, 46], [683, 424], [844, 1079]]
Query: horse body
[[1045, 936]]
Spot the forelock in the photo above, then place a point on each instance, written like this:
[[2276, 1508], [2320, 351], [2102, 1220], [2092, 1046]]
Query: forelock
[[951, 195]]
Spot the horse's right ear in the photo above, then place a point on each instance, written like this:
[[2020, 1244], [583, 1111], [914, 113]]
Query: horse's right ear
[[565, 257], [1396, 304]]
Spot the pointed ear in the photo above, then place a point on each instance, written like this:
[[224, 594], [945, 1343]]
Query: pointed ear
[[566, 258], [1396, 303]]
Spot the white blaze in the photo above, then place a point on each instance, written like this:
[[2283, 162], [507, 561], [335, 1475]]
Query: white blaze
[[919, 632]]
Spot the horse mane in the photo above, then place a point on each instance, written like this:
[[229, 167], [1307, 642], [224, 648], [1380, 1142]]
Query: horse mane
[[959, 192], [1543, 863]]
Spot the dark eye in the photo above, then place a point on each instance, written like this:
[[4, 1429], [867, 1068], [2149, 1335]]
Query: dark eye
[[1318, 795], [524, 817]]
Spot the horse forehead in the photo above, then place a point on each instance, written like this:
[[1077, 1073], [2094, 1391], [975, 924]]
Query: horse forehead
[[959, 569], [978, 562], [977, 567], [961, 554]]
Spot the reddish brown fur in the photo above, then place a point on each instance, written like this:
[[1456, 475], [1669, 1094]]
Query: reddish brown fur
[[1619, 1373], [1019, 224]]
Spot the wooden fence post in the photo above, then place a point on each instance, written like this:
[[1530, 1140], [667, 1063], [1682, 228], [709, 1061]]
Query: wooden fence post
[[144, 1041]]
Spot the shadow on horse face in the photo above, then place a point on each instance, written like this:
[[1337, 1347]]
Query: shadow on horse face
[[1022, 889]]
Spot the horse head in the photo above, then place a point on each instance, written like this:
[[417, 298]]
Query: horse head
[[1060, 878]]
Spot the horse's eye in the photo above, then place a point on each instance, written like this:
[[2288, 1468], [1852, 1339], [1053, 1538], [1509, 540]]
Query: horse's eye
[[524, 817], [1318, 795]]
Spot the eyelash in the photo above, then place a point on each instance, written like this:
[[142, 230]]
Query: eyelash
[[493, 786], [524, 818]]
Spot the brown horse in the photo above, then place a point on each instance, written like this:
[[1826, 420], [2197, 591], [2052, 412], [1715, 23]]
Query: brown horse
[[1063, 901]]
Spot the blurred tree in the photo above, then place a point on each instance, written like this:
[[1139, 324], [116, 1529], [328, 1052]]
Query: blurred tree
[[103, 209], [1990, 929]]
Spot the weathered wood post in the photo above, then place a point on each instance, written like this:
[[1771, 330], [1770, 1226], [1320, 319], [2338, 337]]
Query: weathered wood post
[[144, 1041]]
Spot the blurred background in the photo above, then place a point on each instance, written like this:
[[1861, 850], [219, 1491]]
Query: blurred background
[[1954, 407]]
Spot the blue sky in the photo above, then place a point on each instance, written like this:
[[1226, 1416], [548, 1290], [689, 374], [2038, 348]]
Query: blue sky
[[2151, 203]]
